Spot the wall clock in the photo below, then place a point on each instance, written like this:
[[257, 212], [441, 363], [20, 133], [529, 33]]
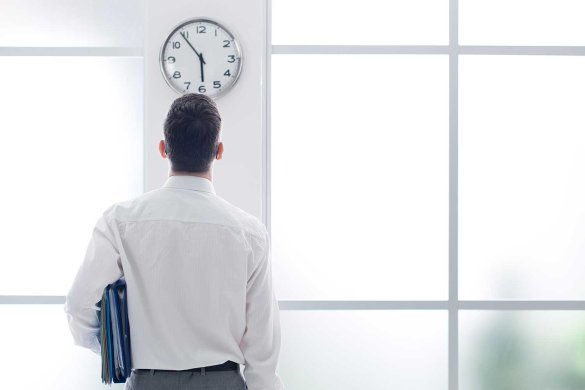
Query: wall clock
[[201, 56]]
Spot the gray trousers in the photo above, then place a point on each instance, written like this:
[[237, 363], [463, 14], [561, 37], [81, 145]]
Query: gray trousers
[[186, 380]]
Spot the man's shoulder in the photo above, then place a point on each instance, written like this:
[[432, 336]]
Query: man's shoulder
[[125, 208], [248, 222]]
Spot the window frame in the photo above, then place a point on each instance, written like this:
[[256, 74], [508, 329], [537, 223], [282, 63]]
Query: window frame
[[453, 305]]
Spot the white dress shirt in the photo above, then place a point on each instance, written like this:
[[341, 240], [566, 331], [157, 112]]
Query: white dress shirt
[[199, 282]]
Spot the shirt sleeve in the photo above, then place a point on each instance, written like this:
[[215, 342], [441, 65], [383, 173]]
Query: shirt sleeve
[[100, 267], [261, 341]]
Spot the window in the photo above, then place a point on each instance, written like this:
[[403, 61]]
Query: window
[[426, 174], [71, 97]]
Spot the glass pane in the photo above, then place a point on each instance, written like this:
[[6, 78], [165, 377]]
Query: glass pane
[[360, 176], [522, 22], [38, 351], [369, 22], [364, 349], [71, 23], [72, 132], [524, 350], [521, 188]]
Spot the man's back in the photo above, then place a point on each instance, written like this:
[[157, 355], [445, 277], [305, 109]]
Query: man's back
[[199, 280]]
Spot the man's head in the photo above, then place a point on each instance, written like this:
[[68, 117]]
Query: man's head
[[191, 132]]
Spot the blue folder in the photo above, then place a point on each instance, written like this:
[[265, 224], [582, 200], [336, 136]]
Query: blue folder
[[115, 333]]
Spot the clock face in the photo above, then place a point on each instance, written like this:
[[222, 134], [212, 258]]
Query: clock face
[[201, 56]]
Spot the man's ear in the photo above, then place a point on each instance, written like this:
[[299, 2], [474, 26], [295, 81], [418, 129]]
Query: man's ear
[[219, 153], [162, 148]]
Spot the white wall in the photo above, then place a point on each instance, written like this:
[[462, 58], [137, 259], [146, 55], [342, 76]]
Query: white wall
[[238, 177]]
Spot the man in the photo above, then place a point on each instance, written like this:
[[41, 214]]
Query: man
[[197, 269]]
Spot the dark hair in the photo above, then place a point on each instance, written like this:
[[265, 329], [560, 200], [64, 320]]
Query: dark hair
[[191, 132]]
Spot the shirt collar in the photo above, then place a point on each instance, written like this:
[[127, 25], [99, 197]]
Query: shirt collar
[[188, 182]]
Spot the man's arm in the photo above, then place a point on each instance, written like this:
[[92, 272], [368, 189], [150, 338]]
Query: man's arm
[[261, 341], [101, 266]]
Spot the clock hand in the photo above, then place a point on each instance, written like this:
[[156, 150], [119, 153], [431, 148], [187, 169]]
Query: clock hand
[[201, 62], [189, 43]]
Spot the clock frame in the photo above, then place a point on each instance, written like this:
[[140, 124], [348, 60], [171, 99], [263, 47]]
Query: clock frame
[[184, 37]]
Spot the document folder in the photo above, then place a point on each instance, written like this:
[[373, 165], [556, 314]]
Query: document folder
[[115, 333]]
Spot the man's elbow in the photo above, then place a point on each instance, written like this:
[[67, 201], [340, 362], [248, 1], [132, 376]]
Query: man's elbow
[[73, 305]]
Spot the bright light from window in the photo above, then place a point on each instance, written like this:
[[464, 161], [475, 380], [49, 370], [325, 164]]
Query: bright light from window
[[522, 22], [324, 349], [72, 136], [522, 350], [368, 22], [71, 23], [521, 187], [360, 176]]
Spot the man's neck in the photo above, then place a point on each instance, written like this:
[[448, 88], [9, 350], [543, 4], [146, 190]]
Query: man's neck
[[206, 175]]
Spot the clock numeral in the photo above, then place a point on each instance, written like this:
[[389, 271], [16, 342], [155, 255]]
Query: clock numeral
[[176, 45], [232, 58], [227, 73], [201, 29], [216, 84], [202, 89], [185, 34], [171, 60], [188, 83], [226, 43], [177, 75]]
